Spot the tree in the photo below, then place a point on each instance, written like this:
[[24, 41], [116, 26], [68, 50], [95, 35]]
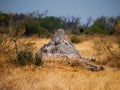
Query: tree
[[101, 22], [3, 19], [31, 24], [89, 20], [99, 26], [51, 23]]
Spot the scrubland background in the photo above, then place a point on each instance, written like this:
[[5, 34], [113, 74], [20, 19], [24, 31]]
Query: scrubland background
[[21, 69]]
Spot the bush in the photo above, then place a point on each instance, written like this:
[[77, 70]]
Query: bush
[[25, 57], [20, 29], [76, 32], [75, 39], [30, 29], [35, 29], [38, 60], [42, 32], [51, 23], [25, 54], [96, 30]]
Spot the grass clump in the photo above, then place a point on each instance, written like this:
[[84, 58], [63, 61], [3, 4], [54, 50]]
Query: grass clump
[[111, 54], [6, 50], [38, 60], [75, 39], [26, 55], [114, 58], [42, 32], [18, 52]]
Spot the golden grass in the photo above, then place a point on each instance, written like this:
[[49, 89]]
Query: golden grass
[[56, 76]]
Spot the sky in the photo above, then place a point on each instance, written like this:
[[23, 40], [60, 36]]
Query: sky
[[78, 8]]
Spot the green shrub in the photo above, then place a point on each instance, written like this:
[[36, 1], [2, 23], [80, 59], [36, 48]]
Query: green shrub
[[96, 30], [30, 29], [42, 32], [19, 29], [25, 57], [76, 32], [35, 29], [75, 39], [38, 60], [51, 23]]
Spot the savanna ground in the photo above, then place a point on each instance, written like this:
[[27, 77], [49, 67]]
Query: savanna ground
[[55, 76]]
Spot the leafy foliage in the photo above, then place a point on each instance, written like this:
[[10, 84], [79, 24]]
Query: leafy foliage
[[25, 57], [99, 26], [51, 23], [75, 39], [3, 19], [31, 28], [38, 60], [42, 32], [32, 22], [96, 30]]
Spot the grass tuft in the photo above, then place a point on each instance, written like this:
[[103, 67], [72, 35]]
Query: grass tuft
[[105, 47], [75, 39]]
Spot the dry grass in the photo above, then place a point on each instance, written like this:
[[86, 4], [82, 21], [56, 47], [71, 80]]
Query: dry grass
[[108, 51], [57, 78], [54, 76]]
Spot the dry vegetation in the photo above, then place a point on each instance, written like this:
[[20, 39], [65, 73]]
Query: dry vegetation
[[57, 76]]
